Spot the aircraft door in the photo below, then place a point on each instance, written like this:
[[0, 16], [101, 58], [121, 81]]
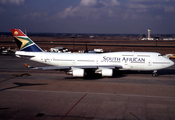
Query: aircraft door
[[126, 63], [47, 60], [149, 62], [97, 61], [74, 61]]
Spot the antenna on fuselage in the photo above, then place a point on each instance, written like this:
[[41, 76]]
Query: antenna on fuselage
[[26, 31]]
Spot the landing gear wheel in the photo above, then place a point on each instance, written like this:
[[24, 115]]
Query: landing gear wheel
[[154, 74]]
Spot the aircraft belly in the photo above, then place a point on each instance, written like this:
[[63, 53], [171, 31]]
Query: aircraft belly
[[134, 66], [137, 67]]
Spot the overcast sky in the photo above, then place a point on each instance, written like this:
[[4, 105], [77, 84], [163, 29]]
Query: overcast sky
[[89, 16]]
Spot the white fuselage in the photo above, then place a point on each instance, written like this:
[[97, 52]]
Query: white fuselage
[[141, 61]]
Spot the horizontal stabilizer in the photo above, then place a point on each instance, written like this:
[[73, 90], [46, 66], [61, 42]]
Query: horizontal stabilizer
[[28, 66]]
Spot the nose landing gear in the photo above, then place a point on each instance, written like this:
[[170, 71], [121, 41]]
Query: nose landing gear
[[154, 73]]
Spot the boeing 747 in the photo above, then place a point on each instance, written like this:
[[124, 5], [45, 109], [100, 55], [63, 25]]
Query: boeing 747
[[78, 64]]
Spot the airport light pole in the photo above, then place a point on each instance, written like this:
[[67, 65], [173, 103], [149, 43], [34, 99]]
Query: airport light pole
[[156, 38], [73, 36], [86, 51]]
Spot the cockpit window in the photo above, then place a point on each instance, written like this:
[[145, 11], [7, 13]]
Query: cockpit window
[[159, 55]]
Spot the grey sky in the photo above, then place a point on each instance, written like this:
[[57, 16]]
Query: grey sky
[[89, 16]]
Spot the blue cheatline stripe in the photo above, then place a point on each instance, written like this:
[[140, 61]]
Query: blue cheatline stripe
[[32, 48]]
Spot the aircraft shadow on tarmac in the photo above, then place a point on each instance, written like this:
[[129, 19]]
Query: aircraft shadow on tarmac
[[22, 85], [94, 77], [160, 72], [167, 72], [5, 108], [16, 75]]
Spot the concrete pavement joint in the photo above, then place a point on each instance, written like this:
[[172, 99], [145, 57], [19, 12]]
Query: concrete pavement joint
[[126, 95]]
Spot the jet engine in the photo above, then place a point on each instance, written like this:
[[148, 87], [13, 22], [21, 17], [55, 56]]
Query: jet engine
[[105, 72], [78, 72]]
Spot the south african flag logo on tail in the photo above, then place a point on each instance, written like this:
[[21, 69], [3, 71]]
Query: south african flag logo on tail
[[25, 43]]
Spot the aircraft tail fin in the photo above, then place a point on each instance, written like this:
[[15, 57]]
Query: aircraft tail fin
[[24, 42]]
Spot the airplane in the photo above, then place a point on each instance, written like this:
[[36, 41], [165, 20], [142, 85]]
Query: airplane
[[80, 64]]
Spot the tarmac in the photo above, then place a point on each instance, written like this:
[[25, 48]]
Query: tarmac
[[51, 95]]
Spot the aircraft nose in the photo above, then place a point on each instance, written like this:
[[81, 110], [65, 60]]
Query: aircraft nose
[[171, 63]]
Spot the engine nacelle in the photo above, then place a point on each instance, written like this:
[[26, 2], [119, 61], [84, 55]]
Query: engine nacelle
[[107, 72], [78, 73]]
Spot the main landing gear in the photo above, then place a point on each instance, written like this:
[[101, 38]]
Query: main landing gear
[[154, 73]]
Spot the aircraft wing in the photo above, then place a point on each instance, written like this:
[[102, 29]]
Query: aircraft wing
[[49, 67], [98, 66], [74, 67]]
